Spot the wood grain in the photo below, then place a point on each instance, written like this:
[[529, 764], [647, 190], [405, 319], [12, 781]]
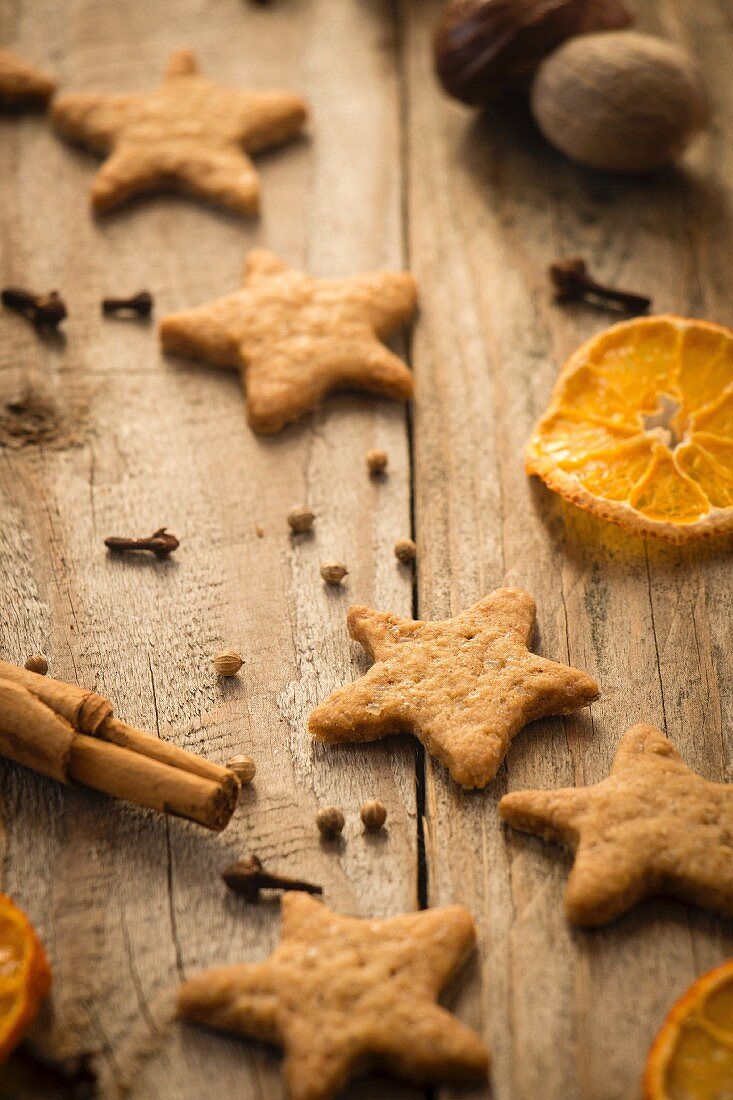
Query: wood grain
[[568, 1014], [130, 903]]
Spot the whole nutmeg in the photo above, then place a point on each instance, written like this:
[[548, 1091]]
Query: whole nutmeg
[[405, 551], [243, 767], [330, 821], [37, 663], [484, 48], [300, 519], [333, 572], [619, 102], [227, 663], [373, 815]]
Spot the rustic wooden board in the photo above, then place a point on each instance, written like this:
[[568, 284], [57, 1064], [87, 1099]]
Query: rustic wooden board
[[128, 903], [569, 1015]]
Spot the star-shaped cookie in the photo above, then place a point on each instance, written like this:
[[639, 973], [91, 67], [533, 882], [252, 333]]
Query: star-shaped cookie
[[465, 686], [188, 134], [653, 827], [21, 84], [295, 338], [342, 995]]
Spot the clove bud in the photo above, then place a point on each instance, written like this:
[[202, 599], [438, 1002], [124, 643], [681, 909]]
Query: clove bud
[[247, 877], [573, 283], [42, 310], [140, 304], [160, 542]]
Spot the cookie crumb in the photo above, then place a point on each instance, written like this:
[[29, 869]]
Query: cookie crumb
[[373, 815], [405, 551], [37, 663], [330, 821], [376, 462], [333, 572], [300, 519]]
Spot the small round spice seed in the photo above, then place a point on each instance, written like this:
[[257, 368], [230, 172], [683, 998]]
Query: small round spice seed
[[333, 572], [373, 815], [243, 767], [300, 519], [330, 821], [37, 663], [227, 663], [405, 550], [376, 462]]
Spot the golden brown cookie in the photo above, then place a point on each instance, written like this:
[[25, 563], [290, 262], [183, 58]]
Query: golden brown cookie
[[188, 134], [21, 84], [295, 338], [653, 827], [465, 686], [342, 994]]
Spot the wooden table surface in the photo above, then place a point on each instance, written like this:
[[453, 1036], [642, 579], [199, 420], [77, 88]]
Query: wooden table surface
[[128, 903]]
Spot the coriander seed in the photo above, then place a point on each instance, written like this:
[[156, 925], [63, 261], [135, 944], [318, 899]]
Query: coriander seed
[[405, 550], [333, 572], [243, 767], [330, 821], [373, 815], [227, 663], [37, 663], [376, 462], [300, 519]]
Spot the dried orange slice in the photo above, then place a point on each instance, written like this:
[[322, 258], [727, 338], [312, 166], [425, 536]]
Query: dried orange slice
[[639, 429], [25, 976], [692, 1056]]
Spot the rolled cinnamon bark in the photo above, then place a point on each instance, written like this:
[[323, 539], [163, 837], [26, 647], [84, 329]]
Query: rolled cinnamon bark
[[83, 709], [122, 761], [32, 734], [119, 733], [137, 778]]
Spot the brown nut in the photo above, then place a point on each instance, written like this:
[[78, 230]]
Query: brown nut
[[405, 551], [243, 767], [333, 572], [484, 48], [300, 519], [373, 815], [37, 663], [330, 821], [622, 102], [227, 663]]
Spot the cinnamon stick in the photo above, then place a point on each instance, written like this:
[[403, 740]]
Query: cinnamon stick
[[137, 778], [36, 731], [119, 733], [32, 734], [83, 709]]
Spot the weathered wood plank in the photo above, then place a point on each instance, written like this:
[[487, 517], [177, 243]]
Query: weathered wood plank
[[127, 903], [568, 1014]]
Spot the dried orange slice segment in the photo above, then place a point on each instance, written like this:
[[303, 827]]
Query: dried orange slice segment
[[692, 1056], [639, 428], [25, 976]]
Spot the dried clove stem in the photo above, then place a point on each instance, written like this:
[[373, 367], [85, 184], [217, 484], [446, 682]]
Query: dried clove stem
[[160, 542], [141, 304], [247, 877], [42, 310], [573, 282]]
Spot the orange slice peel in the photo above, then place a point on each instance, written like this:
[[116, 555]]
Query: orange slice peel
[[25, 976], [692, 1056], [639, 428]]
